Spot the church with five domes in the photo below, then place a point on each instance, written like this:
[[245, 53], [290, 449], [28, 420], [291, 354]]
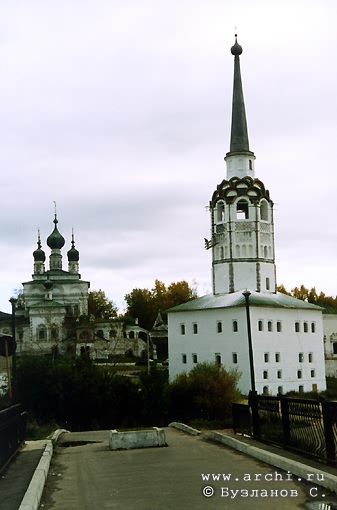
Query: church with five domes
[[53, 317]]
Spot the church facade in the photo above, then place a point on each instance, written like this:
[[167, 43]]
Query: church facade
[[54, 314], [286, 333]]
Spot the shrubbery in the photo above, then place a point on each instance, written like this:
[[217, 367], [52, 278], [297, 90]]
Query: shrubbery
[[205, 393], [79, 395]]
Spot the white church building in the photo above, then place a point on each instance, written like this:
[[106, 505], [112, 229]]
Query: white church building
[[286, 333]]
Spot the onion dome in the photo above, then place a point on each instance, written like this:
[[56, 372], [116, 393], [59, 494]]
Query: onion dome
[[39, 255], [55, 241], [236, 50], [73, 254]]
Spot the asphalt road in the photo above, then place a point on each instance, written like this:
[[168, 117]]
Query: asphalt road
[[88, 476]]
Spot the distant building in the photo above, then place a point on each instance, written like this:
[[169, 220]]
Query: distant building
[[330, 343], [287, 334], [55, 315]]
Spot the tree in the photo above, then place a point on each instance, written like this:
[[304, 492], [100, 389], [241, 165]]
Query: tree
[[206, 392], [100, 306], [20, 299], [281, 288], [145, 304], [329, 303]]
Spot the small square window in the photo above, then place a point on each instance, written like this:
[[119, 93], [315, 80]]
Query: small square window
[[312, 373], [280, 390], [297, 327], [219, 326], [235, 357], [301, 389], [218, 359], [184, 359], [266, 357], [182, 329], [265, 374], [195, 328], [279, 374], [300, 357], [195, 358], [299, 374], [277, 357], [310, 357]]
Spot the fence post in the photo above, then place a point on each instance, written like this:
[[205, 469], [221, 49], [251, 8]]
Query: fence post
[[327, 414], [254, 405], [285, 420]]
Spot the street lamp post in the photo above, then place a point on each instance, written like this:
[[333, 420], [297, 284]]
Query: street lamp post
[[246, 295], [252, 398], [13, 303]]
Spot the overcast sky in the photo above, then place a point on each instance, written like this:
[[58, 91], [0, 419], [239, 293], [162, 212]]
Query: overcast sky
[[119, 110]]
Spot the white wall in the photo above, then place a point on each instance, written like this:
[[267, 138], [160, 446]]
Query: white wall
[[288, 343]]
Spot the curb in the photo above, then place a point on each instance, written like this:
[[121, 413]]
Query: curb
[[296, 468], [185, 428], [32, 497]]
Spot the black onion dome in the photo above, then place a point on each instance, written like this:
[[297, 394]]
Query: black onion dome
[[236, 50], [39, 255], [73, 254], [55, 241]]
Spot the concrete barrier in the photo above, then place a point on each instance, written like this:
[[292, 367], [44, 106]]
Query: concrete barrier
[[154, 437], [185, 428]]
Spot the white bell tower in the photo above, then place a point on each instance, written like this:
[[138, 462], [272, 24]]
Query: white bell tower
[[242, 225]]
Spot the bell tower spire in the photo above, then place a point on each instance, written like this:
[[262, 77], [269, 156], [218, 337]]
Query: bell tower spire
[[242, 224], [239, 159]]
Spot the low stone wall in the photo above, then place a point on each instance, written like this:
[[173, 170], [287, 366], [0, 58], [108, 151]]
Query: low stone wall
[[154, 437]]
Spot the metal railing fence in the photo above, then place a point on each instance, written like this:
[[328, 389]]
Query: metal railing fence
[[12, 432], [301, 425]]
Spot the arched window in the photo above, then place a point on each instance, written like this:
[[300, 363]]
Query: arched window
[[42, 332], [265, 252], [222, 254], [264, 211], [242, 210], [220, 211]]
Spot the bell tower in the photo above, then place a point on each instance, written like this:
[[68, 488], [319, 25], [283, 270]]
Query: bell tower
[[242, 224]]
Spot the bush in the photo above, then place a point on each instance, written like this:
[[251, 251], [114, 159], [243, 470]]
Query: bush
[[205, 393]]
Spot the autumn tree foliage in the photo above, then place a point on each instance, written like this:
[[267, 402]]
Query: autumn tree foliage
[[100, 306], [145, 304], [329, 303]]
